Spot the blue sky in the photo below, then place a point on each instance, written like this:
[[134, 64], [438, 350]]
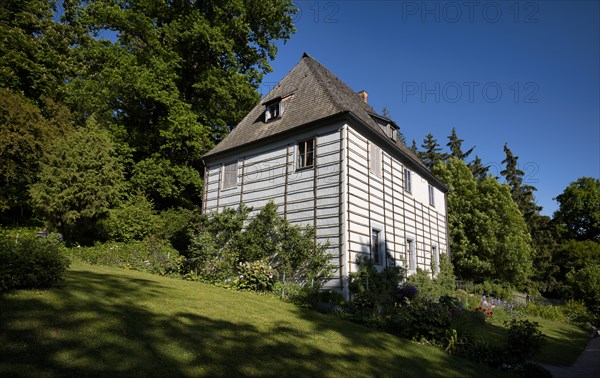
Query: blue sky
[[524, 73]]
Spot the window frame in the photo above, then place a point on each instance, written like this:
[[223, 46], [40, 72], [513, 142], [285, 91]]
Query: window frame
[[435, 253], [375, 156], [376, 247], [407, 180], [431, 190], [269, 111], [301, 154], [227, 182], [411, 246]]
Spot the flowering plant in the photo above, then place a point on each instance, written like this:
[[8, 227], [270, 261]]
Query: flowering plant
[[489, 304]]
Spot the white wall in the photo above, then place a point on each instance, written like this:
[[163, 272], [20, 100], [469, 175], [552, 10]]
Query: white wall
[[381, 202], [304, 197]]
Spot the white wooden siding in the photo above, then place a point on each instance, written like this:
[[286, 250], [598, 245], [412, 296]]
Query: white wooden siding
[[339, 196], [381, 202], [310, 196]]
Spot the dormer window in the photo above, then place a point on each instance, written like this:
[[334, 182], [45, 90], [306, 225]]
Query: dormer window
[[273, 111], [275, 108]]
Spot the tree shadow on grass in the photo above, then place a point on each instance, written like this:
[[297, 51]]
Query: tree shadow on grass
[[100, 325]]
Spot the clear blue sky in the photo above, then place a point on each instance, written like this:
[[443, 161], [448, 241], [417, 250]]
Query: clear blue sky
[[523, 73]]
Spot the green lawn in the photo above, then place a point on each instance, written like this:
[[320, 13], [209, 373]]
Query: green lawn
[[111, 322], [563, 342]]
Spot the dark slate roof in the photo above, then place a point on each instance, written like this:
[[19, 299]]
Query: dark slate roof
[[317, 94]]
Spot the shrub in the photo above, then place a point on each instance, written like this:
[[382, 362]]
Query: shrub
[[442, 284], [177, 226], [256, 276], [576, 311], [133, 220], [149, 255], [495, 289], [524, 340], [422, 319], [373, 289], [585, 285], [31, 262], [424, 284], [222, 244], [554, 313]]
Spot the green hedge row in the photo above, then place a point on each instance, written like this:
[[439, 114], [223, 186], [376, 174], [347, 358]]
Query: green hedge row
[[151, 255]]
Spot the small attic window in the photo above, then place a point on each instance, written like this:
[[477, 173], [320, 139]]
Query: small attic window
[[275, 109]]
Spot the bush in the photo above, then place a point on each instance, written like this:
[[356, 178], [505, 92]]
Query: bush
[[585, 285], [149, 255], [575, 311], [495, 289], [442, 284], [177, 226], [375, 290], [554, 313], [31, 262], [524, 340], [422, 319], [256, 276], [222, 244], [133, 220]]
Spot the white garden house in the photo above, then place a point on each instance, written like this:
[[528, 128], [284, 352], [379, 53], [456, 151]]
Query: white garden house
[[327, 159]]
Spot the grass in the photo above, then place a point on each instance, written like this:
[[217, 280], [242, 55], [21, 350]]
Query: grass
[[563, 342], [111, 322]]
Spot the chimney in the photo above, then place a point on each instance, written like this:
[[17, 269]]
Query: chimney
[[364, 95]]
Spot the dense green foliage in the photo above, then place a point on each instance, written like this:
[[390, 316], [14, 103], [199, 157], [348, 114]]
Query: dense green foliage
[[34, 48], [223, 246], [25, 134], [80, 178], [149, 255], [164, 79], [579, 209], [134, 219], [30, 262], [179, 74], [488, 235]]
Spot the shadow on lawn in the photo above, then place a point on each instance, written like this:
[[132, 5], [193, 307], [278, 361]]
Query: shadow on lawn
[[101, 325]]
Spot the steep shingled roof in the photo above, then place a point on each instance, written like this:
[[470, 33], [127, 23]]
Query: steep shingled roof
[[317, 94]]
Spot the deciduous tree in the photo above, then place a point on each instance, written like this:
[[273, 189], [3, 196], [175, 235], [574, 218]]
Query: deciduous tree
[[579, 209]]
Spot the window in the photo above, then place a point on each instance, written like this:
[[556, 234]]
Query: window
[[306, 154], [276, 109], [230, 175], [375, 159], [412, 254], [375, 247], [435, 255], [431, 196], [407, 181], [272, 111]]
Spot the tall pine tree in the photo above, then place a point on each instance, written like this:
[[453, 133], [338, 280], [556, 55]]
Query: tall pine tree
[[479, 170], [455, 145], [521, 193], [432, 152]]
